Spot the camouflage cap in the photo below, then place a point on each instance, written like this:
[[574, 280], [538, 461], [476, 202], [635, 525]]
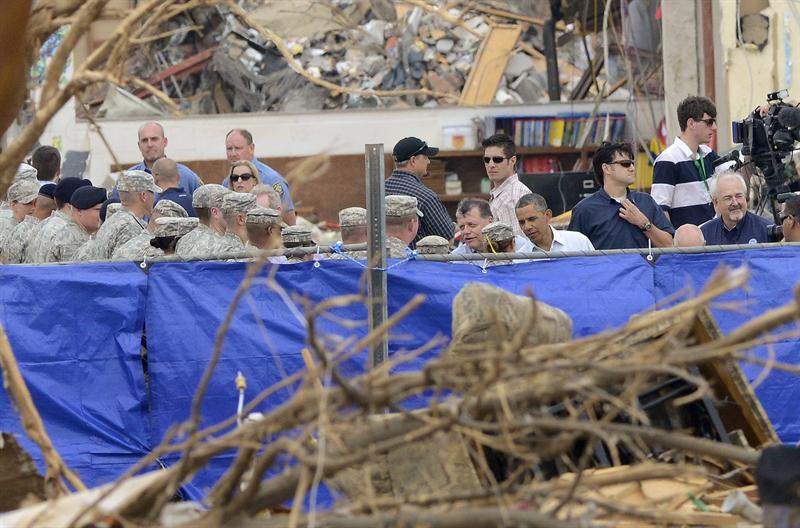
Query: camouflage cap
[[112, 208], [170, 209], [172, 226], [263, 216], [433, 245], [209, 195], [498, 232], [137, 181], [353, 217], [236, 202], [296, 235], [401, 205], [23, 191], [26, 172]]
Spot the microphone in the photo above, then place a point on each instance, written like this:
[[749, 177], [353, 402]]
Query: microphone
[[731, 156]]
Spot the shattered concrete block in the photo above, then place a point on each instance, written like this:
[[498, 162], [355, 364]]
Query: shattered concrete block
[[518, 63]]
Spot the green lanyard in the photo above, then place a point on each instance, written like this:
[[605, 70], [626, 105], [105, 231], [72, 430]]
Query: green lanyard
[[701, 168]]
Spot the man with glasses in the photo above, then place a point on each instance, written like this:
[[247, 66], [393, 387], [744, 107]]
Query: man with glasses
[[500, 161], [735, 224], [790, 219], [616, 217], [411, 159], [683, 173]]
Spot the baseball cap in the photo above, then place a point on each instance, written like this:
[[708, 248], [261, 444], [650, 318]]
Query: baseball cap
[[411, 146]]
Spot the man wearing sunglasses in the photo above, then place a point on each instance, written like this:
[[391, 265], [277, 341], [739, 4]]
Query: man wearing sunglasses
[[790, 219], [683, 173], [411, 159], [616, 217], [500, 161]]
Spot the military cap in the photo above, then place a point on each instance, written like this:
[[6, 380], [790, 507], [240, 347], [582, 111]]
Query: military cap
[[401, 205], [174, 226], [297, 235], [67, 186], [170, 209], [353, 217], [263, 215], [23, 191], [87, 197], [209, 195], [236, 202], [47, 190], [433, 245], [498, 232], [112, 208], [137, 181], [26, 172]]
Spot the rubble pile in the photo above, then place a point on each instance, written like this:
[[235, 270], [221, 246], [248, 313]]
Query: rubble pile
[[208, 61]]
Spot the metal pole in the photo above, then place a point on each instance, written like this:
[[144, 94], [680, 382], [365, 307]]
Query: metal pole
[[376, 249]]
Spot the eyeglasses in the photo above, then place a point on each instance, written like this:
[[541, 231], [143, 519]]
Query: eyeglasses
[[626, 164], [243, 177], [710, 121], [496, 159]]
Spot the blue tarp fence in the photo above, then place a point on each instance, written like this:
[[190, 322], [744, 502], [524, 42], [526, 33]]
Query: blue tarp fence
[[77, 334]]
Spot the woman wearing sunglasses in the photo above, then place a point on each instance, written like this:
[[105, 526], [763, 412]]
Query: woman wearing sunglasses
[[243, 176]]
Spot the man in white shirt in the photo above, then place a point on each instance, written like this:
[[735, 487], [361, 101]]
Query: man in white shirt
[[533, 217], [473, 216], [500, 160]]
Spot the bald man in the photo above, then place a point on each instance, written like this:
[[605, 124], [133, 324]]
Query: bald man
[[689, 235], [167, 176], [152, 144]]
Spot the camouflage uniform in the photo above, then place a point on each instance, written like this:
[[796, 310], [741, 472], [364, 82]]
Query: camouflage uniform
[[296, 236], [351, 217], [497, 233], [235, 203], [42, 239], [67, 242], [122, 227], [23, 191], [230, 243], [203, 242], [136, 248], [433, 245], [13, 250], [396, 248], [399, 206]]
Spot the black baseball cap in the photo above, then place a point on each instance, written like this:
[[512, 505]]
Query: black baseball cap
[[48, 190], [87, 197], [412, 146], [67, 186]]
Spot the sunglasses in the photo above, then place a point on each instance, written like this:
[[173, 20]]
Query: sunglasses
[[243, 177], [626, 164], [710, 121], [496, 159]]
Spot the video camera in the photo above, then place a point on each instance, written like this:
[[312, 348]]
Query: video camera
[[769, 139]]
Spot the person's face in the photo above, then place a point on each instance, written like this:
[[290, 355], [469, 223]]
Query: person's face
[[534, 222], [90, 218], [791, 226], [243, 180], [703, 129], [152, 143], [419, 164], [498, 166], [470, 226], [237, 149], [621, 170], [731, 200], [21, 210]]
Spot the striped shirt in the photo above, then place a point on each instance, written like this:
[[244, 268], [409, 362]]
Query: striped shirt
[[503, 202], [435, 221], [678, 186]]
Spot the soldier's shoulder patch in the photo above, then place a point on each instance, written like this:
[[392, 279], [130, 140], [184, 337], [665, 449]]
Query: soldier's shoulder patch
[[278, 188]]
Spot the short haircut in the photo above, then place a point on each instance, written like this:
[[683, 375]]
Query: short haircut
[[605, 154], [203, 214], [258, 234], [248, 137], [46, 160], [127, 197], [792, 207], [398, 221], [139, 131], [695, 106], [504, 142], [349, 232], [536, 200], [465, 206], [724, 175], [167, 169]]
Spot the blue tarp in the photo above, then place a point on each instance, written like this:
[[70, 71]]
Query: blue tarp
[[76, 332]]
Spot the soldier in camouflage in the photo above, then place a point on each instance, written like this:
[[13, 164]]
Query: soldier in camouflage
[[353, 225], [167, 234], [263, 228], [42, 238], [296, 237], [84, 221], [139, 248], [402, 223], [22, 202], [433, 245], [499, 239], [24, 172], [137, 195], [205, 241], [13, 251], [235, 206]]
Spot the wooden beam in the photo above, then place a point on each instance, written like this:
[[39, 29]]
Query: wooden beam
[[490, 63]]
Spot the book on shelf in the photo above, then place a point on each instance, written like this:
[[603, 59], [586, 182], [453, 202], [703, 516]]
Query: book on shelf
[[563, 130]]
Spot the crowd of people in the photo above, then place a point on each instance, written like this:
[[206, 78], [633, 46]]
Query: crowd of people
[[160, 207]]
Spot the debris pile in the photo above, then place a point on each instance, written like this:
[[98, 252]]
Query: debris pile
[[287, 55]]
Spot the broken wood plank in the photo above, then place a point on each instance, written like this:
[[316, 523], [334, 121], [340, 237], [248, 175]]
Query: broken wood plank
[[490, 63]]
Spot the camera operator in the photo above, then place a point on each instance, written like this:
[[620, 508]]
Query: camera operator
[[735, 224], [790, 219]]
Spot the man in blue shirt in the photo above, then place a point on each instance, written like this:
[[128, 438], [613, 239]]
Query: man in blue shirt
[[165, 174], [735, 224], [239, 146], [152, 144], [615, 217]]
